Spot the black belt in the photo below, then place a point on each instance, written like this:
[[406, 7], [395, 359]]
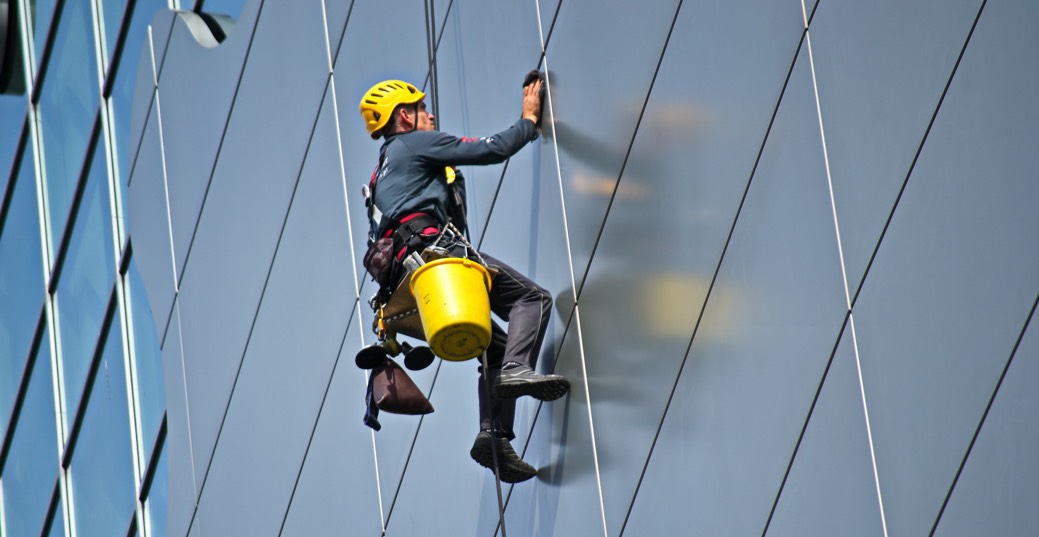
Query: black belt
[[410, 233]]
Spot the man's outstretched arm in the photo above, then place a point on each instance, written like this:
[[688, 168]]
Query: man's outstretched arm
[[446, 149]]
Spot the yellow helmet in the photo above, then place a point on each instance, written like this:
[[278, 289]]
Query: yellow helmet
[[378, 103]]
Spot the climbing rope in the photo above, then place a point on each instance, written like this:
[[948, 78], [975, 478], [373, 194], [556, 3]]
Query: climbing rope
[[431, 50], [494, 444]]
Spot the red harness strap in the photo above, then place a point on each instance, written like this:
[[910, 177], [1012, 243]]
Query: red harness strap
[[426, 231]]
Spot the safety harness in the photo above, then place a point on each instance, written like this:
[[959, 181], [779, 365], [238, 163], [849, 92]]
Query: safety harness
[[390, 241]]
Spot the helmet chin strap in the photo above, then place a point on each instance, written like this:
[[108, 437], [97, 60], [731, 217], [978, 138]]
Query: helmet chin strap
[[414, 124]]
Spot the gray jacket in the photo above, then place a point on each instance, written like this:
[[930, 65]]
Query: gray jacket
[[410, 177]]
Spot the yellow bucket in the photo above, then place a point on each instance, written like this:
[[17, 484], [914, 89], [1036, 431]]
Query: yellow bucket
[[453, 302]]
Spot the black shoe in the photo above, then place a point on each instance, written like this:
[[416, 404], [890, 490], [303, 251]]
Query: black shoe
[[512, 469], [522, 380]]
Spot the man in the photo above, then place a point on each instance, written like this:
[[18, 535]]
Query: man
[[414, 194]]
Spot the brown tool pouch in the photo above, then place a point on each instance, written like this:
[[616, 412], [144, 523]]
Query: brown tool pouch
[[394, 391], [380, 259]]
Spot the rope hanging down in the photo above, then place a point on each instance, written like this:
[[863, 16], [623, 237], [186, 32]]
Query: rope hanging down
[[434, 89]]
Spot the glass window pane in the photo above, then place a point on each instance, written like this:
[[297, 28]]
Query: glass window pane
[[32, 465], [85, 283], [58, 521], [21, 286], [41, 13], [122, 90], [231, 8], [68, 105], [156, 501], [12, 115], [102, 465], [112, 10], [148, 358]]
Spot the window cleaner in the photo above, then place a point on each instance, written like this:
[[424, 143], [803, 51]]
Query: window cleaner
[[416, 205]]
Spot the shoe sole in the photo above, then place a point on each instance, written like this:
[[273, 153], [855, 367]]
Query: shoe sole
[[542, 390], [482, 454]]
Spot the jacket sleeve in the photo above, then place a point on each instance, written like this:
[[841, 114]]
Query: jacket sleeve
[[442, 148]]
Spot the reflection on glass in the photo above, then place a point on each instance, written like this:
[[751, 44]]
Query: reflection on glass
[[21, 286], [32, 465], [41, 13], [231, 8], [122, 90], [12, 114], [148, 358], [113, 14], [58, 521], [157, 498], [102, 466], [85, 283], [68, 105]]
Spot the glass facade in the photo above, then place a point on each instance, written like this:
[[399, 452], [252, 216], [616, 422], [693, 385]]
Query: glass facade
[[82, 400], [791, 247], [31, 470]]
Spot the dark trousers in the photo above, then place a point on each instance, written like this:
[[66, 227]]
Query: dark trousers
[[527, 307]]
